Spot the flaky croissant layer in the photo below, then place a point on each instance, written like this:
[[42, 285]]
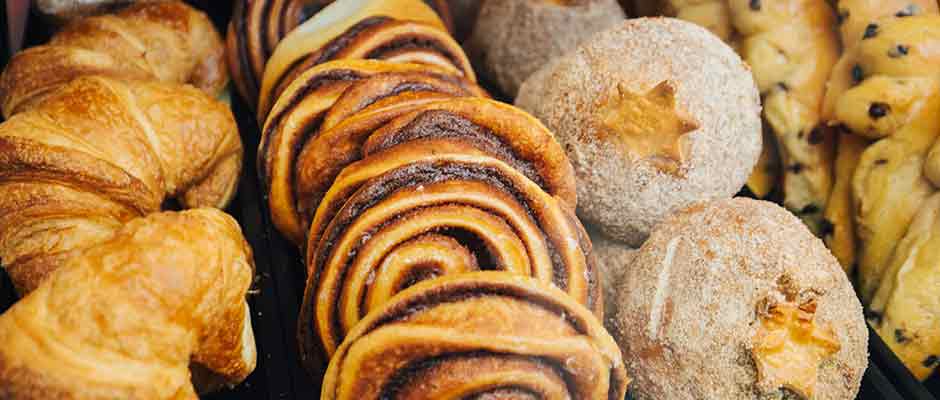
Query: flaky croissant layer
[[166, 41], [99, 152], [125, 318]]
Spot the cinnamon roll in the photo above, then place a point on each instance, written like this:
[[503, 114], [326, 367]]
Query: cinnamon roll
[[480, 335], [318, 99], [396, 30], [258, 26], [410, 200]]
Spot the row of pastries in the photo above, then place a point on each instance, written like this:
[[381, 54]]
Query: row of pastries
[[441, 229]]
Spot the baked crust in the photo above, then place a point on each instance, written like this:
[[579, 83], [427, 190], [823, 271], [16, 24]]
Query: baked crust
[[620, 192], [693, 308]]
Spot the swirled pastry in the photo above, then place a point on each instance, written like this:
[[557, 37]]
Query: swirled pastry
[[258, 26], [479, 335], [397, 30], [449, 188], [306, 110]]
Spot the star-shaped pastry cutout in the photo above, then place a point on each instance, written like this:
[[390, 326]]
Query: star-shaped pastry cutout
[[789, 347], [648, 126]]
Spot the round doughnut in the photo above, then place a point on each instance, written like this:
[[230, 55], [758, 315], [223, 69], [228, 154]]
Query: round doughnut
[[654, 114], [514, 38], [736, 299]]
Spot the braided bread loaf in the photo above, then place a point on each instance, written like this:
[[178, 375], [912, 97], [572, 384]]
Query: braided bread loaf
[[855, 17], [166, 41], [791, 48], [885, 89], [480, 335]]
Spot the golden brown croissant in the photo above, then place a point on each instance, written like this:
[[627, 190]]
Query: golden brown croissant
[[166, 41], [100, 152], [393, 30], [257, 27], [791, 47], [124, 319], [317, 100], [487, 335]]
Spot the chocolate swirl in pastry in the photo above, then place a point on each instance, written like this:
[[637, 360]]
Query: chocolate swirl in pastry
[[100, 152], [258, 26], [166, 41], [490, 125], [480, 335], [399, 31], [124, 319], [297, 117], [394, 202]]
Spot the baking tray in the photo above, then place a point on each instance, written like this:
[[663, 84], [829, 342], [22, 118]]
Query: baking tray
[[279, 280]]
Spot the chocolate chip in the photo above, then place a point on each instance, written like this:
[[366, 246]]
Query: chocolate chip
[[931, 361], [796, 168], [826, 227], [899, 51], [870, 31], [857, 74], [878, 110], [900, 337], [881, 161], [908, 11], [810, 209], [816, 136], [874, 316], [755, 5], [843, 15]]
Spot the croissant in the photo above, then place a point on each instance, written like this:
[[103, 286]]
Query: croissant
[[257, 27], [393, 30], [314, 103], [125, 318], [100, 152], [479, 335], [166, 41], [792, 48]]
